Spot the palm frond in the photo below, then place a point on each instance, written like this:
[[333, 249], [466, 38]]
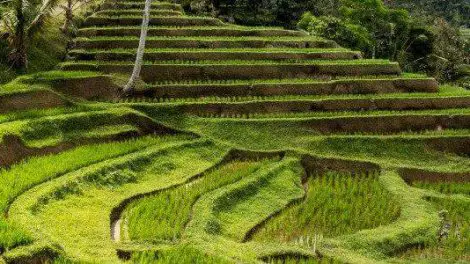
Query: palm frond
[[41, 16]]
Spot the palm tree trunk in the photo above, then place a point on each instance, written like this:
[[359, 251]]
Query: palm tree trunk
[[18, 57], [141, 49], [66, 28]]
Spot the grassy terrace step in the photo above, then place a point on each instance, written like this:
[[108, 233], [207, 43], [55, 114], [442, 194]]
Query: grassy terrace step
[[189, 31], [204, 42], [34, 131], [157, 210], [154, 21], [103, 186], [215, 70], [224, 54], [299, 106], [136, 13], [327, 194], [291, 87], [378, 122], [140, 5]]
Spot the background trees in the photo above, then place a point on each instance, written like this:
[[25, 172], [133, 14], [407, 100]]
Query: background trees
[[423, 35], [34, 33], [22, 20]]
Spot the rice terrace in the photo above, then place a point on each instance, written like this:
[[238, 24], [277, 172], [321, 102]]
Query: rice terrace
[[247, 133]]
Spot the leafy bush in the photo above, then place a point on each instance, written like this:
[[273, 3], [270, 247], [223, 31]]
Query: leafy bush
[[348, 35]]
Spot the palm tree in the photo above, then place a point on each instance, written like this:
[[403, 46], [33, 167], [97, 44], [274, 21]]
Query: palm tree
[[141, 49], [22, 20]]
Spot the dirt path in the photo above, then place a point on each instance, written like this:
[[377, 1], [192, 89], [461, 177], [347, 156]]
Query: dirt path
[[116, 230]]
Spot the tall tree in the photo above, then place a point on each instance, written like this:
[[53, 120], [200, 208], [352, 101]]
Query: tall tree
[[388, 27], [141, 49], [23, 19]]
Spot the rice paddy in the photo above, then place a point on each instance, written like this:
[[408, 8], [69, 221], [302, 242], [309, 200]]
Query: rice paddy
[[335, 204], [238, 145], [453, 242], [160, 211]]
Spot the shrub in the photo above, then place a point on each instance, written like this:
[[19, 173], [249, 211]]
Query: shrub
[[345, 34]]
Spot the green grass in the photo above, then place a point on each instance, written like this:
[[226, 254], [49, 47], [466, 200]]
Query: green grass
[[300, 260], [444, 187], [152, 16], [234, 210], [92, 193], [465, 32], [228, 26], [12, 236], [169, 211], [44, 52], [184, 254], [335, 204], [39, 113], [42, 80], [455, 246], [120, 13], [394, 150], [192, 38], [241, 100], [50, 130], [242, 62], [304, 116], [244, 205], [229, 82], [188, 208], [21, 177], [226, 50]]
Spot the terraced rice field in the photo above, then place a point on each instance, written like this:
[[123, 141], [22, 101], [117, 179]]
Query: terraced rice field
[[238, 145]]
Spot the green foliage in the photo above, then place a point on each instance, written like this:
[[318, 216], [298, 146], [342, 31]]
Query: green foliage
[[452, 245], [183, 254], [300, 260], [345, 34], [445, 187], [254, 12], [335, 204], [183, 213], [434, 47], [44, 52], [447, 52], [23, 20], [11, 236], [389, 28], [244, 205], [36, 170], [368, 26], [22, 176], [455, 11], [169, 211], [173, 161]]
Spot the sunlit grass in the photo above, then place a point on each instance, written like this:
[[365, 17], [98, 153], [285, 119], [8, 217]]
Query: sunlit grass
[[444, 187], [452, 244], [335, 204], [183, 254], [21, 177], [169, 211]]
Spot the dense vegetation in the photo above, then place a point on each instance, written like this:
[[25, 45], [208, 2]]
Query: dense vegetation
[[423, 36], [169, 211], [236, 143], [357, 202]]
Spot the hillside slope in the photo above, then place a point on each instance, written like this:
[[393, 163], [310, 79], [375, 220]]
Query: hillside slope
[[239, 145]]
